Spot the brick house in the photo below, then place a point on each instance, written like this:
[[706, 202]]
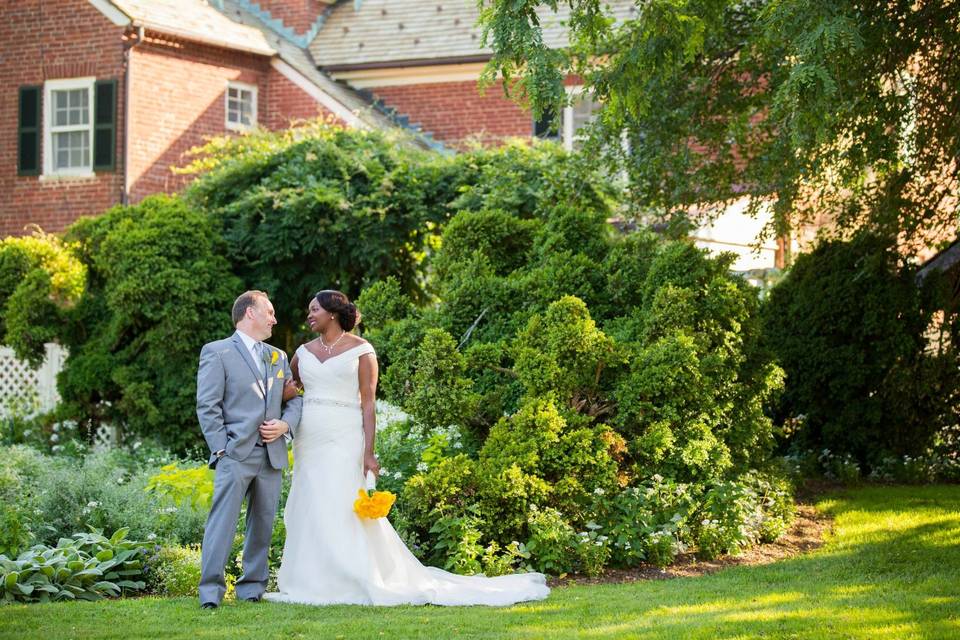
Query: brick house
[[186, 69], [109, 94]]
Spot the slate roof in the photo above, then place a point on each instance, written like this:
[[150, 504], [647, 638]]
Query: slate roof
[[300, 59], [194, 20], [371, 33]]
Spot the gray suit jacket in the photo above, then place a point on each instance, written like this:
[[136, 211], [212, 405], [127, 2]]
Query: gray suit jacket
[[233, 399]]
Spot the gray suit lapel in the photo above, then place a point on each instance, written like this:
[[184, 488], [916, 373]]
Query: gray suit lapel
[[248, 358]]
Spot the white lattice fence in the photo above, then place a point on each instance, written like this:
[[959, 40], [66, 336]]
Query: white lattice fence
[[19, 382]]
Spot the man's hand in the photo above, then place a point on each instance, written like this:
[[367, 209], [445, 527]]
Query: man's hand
[[273, 429]]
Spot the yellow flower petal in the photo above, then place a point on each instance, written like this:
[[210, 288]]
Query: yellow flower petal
[[275, 357], [375, 506]]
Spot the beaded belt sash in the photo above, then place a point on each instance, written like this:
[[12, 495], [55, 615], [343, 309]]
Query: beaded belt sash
[[331, 403]]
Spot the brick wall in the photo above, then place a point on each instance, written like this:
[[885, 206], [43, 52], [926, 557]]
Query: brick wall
[[298, 15], [286, 102], [178, 101], [42, 40], [455, 111]]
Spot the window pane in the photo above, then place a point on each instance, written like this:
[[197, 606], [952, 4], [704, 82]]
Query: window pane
[[71, 150], [61, 150], [61, 113], [240, 106], [84, 105], [71, 107], [585, 111]]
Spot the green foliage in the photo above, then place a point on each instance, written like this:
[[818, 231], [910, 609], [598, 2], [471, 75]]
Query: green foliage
[[552, 541], [100, 492], [132, 294], [320, 207], [457, 538], [540, 457], [19, 469], [583, 363], [848, 326], [406, 447], [193, 485], [504, 240], [383, 302], [556, 548], [692, 401], [41, 279], [174, 571], [87, 566], [563, 352], [736, 514], [449, 486], [839, 109], [647, 521], [439, 394], [529, 182]]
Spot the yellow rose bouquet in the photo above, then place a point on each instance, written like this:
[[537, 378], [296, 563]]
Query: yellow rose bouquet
[[375, 505]]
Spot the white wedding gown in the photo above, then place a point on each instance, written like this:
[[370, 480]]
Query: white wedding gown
[[332, 556]]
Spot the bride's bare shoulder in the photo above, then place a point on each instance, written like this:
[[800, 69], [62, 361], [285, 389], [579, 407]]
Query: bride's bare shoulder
[[353, 341]]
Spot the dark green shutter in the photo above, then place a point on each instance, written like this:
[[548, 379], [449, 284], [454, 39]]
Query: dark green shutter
[[105, 125], [28, 132]]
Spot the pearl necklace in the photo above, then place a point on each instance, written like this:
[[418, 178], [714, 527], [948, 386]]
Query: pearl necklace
[[335, 342]]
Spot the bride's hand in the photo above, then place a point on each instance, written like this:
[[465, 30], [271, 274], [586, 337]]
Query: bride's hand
[[290, 390], [370, 463]]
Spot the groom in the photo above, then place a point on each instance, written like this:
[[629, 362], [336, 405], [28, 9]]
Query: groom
[[239, 399]]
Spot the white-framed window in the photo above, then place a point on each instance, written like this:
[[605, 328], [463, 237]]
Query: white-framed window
[[68, 135], [567, 129], [583, 110], [241, 106]]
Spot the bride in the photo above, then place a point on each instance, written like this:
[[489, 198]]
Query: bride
[[331, 556]]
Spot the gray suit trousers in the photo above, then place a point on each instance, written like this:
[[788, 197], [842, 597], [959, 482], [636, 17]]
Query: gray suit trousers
[[255, 480]]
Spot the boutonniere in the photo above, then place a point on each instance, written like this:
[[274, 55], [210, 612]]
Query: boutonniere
[[280, 374], [274, 358]]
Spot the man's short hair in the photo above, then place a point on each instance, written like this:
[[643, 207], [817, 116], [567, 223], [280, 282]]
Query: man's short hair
[[246, 300]]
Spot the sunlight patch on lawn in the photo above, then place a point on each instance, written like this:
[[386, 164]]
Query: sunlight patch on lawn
[[850, 590]]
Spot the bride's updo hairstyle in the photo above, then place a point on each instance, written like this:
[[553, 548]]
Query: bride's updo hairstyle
[[339, 304]]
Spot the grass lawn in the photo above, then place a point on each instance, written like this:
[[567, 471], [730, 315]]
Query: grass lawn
[[890, 570]]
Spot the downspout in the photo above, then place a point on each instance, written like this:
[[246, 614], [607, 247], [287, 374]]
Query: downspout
[[127, 83]]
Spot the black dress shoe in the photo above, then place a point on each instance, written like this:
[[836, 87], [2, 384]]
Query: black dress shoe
[[209, 605], [252, 599]]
